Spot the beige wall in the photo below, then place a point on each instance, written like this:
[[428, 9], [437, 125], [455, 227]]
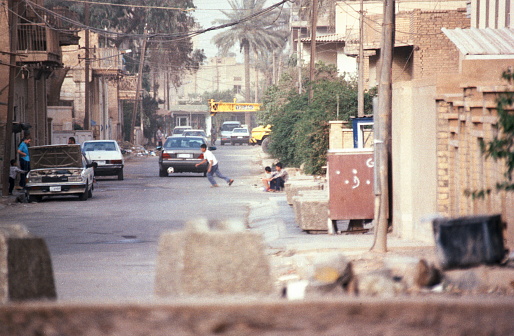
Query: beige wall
[[414, 159]]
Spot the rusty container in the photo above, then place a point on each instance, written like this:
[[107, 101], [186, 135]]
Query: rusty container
[[350, 182]]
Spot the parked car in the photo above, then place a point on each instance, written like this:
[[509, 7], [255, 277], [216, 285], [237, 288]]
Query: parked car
[[59, 170], [195, 132], [107, 154], [226, 130], [240, 136], [180, 154], [178, 130]]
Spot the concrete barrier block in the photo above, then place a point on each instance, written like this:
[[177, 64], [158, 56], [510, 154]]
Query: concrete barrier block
[[313, 213], [25, 266], [210, 263], [303, 194], [292, 187]]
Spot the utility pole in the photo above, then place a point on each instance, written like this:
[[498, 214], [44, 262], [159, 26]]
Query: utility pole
[[138, 89], [13, 46], [360, 94], [383, 138], [87, 87], [314, 24]]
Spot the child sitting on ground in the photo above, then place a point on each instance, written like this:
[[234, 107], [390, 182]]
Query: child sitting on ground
[[13, 171], [279, 178], [267, 178]]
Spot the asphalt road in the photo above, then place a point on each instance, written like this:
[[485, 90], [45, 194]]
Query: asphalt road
[[105, 248]]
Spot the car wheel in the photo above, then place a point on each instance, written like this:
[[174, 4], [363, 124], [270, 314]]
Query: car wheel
[[120, 175], [84, 196], [204, 174], [163, 172]]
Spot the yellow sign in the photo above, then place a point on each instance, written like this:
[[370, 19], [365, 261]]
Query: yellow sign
[[215, 107]]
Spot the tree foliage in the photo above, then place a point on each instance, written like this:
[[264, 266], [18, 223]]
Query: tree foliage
[[301, 129], [169, 46]]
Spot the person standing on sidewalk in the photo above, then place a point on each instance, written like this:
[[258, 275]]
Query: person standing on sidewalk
[[23, 150], [213, 167], [13, 172]]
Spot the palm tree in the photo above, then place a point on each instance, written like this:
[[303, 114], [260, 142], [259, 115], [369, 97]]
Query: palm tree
[[261, 34]]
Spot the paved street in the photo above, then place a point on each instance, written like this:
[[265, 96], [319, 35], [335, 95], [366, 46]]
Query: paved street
[[105, 248]]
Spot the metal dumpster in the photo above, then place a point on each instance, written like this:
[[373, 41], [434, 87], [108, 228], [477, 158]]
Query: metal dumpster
[[350, 183]]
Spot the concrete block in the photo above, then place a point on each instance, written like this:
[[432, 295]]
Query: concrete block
[[209, 263], [311, 212], [25, 266], [292, 187], [302, 194]]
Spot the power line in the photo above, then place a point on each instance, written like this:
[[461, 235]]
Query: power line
[[150, 7], [155, 37]]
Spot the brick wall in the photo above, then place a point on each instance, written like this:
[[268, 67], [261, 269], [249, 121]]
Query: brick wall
[[434, 54], [464, 120]]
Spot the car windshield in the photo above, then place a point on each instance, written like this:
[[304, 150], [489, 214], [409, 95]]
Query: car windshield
[[228, 127], [183, 143], [179, 130], [99, 146], [196, 133]]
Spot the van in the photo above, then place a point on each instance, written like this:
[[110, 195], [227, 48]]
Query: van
[[226, 130]]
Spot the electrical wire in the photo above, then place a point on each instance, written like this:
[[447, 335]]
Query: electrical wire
[[154, 37], [148, 7], [131, 6]]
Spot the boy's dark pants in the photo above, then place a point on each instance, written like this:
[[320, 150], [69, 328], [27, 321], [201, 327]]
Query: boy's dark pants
[[277, 184], [11, 185]]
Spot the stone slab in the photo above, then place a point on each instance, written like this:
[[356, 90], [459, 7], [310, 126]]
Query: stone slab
[[212, 263], [25, 266], [340, 316]]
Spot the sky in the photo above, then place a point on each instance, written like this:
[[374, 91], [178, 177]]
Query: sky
[[208, 11]]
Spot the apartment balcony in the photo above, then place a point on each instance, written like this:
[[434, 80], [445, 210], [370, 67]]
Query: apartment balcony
[[107, 62], [127, 88], [38, 44]]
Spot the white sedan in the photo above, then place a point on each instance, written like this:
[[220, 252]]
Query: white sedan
[[107, 155]]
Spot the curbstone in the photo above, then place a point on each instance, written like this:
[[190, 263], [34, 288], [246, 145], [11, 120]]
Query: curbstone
[[25, 266], [214, 262]]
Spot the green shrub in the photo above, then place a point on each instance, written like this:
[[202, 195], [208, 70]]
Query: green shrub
[[301, 129]]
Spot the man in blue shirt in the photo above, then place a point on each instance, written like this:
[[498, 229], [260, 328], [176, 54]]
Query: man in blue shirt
[[23, 151]]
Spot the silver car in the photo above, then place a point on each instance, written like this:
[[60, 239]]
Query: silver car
[[180, 154], [59, 170]]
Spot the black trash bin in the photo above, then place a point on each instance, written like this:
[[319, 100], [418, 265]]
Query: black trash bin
[[469, 241]]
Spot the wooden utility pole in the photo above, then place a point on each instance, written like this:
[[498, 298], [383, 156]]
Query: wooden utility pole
[[13, 46], [314, 25], [383, 138], [138, 89], [360, 94], [87, 85]]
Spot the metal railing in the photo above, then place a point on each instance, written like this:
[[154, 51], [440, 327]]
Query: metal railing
[[38, 41]]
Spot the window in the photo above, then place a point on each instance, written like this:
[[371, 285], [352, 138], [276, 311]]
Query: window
[[237, 89]]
